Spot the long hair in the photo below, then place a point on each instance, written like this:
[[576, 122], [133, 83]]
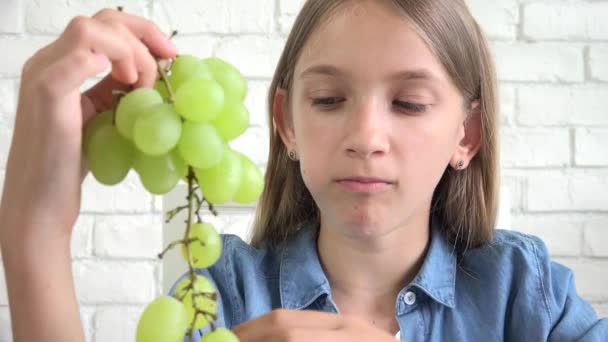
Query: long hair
[[465, 201]]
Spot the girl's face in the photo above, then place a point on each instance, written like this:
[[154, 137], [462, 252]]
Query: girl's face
[[374, 118]]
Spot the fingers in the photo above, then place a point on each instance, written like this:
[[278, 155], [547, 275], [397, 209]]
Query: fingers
[[281, 322], [99, 37], [89, 45], [144, 30]]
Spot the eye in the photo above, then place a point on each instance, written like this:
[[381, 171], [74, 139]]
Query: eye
[[410, 107], [327, 101]]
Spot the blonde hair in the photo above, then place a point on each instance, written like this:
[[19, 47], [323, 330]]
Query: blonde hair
[[466, 201]]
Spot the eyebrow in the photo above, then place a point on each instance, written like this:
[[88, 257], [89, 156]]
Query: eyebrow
[[330, 70]]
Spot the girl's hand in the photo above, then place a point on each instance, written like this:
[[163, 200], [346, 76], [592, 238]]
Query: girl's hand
[[305, 326], [44, 170]]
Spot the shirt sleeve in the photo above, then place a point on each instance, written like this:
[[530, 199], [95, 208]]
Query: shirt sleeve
[[570, 316]]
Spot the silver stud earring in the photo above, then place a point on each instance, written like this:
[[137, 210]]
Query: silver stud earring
[[292, 155], [460, 164]]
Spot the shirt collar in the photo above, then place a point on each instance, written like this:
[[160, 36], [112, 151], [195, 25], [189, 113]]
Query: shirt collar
[[301, 276], [302, 279], [437, 276]]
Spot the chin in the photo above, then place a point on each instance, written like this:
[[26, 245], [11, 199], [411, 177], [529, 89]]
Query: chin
[[362, 225]]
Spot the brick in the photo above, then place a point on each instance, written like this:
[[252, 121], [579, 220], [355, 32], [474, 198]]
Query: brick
[[199, 45], [508, 101], [535, 147], [126, 197], [117, 323], [498, 18], [21, 49], [596, 237], [254, 143], [86, 317], [598, 55], [11, 16], [565, 21], [3, 289], [235, 222], [591, 278], [6, 136], [563, 234], [81, 244], [291, 7], [103, 282], [51, 17], [212, 16], [286, 24], [8, 100], [257, 103], [560, 105], [591, 147], [552, 191], [513, 182], [6, 334], [503, 215], [255, 56], [128, 236], [543, 62]]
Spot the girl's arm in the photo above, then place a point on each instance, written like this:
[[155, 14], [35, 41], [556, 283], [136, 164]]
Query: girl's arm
[[41, 198]]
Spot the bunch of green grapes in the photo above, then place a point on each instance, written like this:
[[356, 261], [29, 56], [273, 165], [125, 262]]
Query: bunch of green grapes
[[179, 130]]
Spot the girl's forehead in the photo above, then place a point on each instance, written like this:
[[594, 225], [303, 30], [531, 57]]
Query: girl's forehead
[[368, 36]]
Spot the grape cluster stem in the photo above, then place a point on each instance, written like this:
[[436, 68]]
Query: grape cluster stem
[[187, 241]]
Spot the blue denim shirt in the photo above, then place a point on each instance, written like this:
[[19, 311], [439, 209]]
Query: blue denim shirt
[[506, 290]]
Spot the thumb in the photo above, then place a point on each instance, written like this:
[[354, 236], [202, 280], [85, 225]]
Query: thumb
[[99, 97]]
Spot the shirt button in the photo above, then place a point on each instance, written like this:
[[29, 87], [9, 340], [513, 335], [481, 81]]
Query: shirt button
[[409, 298]]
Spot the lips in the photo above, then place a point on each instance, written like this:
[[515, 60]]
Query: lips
[[365, 184]]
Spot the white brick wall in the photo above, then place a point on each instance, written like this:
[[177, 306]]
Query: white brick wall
[[552, 61]]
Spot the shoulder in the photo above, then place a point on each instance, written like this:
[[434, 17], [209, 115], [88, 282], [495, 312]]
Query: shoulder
[[518, 266], [240, 258], [510, 250]]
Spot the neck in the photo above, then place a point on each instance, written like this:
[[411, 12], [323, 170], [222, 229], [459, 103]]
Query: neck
[[372, 269]]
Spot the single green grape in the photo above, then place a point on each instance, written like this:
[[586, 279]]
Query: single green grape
[[220, 335], [208, 249], [232, 120], [188, 67], [164, 319], [221, 182], [199, 100], [200, 145], [252, 182], [160, 174], [133, 105], [229, 77], [203, 290], [109, 155], [158, 130], [101, 119]]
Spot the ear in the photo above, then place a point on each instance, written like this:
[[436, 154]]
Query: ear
[[470, 144], [283, 121]]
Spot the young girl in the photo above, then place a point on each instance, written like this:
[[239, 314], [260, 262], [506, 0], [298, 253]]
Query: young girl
[[380, 195]]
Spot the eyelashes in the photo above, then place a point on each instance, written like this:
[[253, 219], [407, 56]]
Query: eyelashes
[[331, 103]]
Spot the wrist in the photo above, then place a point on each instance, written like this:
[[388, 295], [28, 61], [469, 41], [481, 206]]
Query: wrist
[[22, 237]]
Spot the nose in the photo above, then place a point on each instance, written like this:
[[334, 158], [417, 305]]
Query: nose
[[367, 131]]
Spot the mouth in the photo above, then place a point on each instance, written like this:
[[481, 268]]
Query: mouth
[[365, 184]]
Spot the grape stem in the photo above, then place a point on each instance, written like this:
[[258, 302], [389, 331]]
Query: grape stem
[[187, 242], [211, 207], [163, 76]]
